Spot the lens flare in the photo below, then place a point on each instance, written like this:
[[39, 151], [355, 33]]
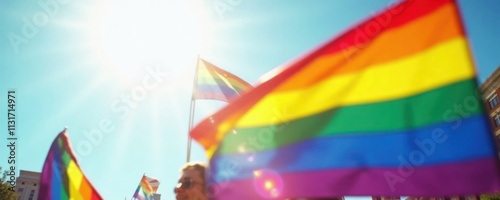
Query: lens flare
[[250, 158], [267, 183], [241, 148]]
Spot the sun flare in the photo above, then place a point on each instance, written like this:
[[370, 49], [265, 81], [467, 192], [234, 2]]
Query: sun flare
[[129, 36]]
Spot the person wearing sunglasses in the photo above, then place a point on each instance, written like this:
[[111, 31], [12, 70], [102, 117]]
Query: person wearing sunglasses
[[191, 184]]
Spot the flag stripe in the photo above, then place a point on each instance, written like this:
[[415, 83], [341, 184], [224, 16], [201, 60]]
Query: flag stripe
[[153, 183], [136, 193], [419, 67], [145, 186], [204, 90], [86, 190], [431, 145], [230, 77], [215, 83], [212, 83], [205, 77], [420, 110], [56, 179], [405, 180], [212, 95], [375, 54], [392, 18], [75, 177]]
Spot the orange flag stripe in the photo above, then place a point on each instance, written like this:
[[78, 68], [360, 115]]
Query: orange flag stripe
[[375, 53]]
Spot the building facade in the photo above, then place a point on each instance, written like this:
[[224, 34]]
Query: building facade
[[27, 185], [490, 91]]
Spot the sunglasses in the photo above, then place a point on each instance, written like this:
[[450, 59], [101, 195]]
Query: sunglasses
[[185, 184]]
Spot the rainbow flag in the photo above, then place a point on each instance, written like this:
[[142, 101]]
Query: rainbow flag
[[146, 188], [215, 83], [388, 108], [62, 177], [154, 183]]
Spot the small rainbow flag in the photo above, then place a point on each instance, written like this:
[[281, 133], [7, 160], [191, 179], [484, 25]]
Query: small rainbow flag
[[62, 178], [215, 83], [389, 108], [146, 188]]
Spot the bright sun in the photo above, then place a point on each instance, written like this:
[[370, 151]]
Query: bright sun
[[132, 35]]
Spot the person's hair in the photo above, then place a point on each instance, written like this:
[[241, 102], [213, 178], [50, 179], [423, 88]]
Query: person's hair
[[200, 167]]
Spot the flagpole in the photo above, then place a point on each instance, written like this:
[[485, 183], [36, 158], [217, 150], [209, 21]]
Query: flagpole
[[191, 112]]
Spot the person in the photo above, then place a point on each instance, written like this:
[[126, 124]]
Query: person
[[191, 184]]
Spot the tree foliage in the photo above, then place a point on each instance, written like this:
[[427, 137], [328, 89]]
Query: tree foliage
[[490, 196], [5, 191]]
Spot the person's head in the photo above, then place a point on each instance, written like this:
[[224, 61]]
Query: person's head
[[191, 184]]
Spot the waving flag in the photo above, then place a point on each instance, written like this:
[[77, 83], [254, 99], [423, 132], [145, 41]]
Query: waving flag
[[215, 83], [62, 178], [146, 188], [154, 183], [388, 108]]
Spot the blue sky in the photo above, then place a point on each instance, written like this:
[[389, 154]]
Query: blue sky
[[119, 74]]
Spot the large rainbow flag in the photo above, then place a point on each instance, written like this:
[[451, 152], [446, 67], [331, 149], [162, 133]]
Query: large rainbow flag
[[388, 108], [146, 188], [62, 178], [217, 84]]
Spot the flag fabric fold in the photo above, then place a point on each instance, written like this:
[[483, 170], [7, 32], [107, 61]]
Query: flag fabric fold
[[62, 178], [154, 183], [146, 188], [217, 84], [388, 108]]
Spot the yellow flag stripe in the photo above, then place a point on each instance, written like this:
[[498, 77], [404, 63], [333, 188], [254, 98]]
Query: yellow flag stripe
[[404, 77], [75, 177]]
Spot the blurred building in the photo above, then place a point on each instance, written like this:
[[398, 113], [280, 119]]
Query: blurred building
[[490, 91], [27, 185]]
